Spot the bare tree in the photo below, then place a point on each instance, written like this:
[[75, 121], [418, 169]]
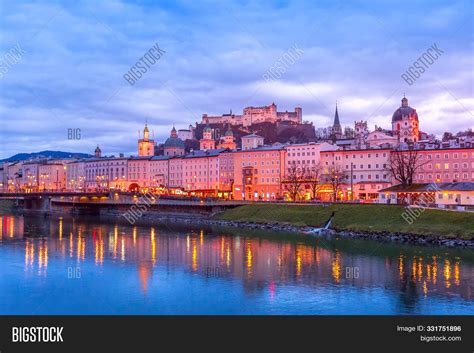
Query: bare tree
[[335, 177], [313, 179], [404, 163], [294, 182]]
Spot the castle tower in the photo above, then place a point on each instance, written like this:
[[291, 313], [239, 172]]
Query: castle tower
[[146, 146], [405, 124], [299, 115]]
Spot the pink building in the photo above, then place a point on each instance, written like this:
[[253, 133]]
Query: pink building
[[200, 171], [258, 173], [446, 165], [226, 173], [139, 175], [159, 171], [365, 171], [52, 176]]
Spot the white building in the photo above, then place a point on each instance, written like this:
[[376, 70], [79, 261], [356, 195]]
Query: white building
[[106, 172], [76, 175], [251, 141]]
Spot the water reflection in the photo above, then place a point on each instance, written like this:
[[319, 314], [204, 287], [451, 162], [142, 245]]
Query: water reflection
[[257, 263]]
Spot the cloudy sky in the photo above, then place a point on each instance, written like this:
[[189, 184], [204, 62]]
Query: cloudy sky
[[63, 65]]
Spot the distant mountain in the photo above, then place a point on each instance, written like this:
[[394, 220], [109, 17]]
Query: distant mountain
[[45, 154]]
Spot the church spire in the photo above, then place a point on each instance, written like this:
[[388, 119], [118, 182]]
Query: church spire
[[337, 123], [336, 127], [146, 131]]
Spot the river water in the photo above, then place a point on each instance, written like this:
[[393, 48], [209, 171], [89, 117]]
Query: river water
[[82, 265]]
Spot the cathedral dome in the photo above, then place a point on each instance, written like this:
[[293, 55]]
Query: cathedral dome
[[174, 142], [405, 109]]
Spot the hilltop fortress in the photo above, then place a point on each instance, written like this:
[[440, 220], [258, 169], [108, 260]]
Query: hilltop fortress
[[255, 115]]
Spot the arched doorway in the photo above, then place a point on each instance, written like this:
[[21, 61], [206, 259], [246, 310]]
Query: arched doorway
[[134, 187]]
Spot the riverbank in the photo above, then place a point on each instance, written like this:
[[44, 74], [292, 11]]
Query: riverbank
[[376, 222]]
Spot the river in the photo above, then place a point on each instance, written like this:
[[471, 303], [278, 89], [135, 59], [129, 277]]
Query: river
[[82, 265]]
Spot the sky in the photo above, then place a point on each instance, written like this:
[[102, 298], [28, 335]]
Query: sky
[[62, 66]]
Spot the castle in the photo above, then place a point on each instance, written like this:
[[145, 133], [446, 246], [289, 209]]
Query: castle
[[255, 115], [288, 128]]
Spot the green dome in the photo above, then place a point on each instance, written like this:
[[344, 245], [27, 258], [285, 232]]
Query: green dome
[[174, 142]]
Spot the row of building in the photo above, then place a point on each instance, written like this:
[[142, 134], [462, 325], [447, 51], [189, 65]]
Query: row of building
[[259, 173], [253, 170]]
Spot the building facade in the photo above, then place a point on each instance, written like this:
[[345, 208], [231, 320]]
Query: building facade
[[258, 173]]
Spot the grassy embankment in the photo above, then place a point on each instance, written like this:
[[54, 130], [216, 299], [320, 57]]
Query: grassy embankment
[[358, 218]]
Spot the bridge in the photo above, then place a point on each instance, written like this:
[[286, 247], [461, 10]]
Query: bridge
[[113, 202], [47, 194], [43, 200]]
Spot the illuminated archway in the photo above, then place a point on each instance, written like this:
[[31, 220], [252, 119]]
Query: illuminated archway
[[134, 187]]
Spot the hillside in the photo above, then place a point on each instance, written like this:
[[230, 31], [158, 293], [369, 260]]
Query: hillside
[[45, 154]]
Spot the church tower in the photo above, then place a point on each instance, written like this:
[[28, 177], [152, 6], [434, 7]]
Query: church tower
[[174, 146], [336, 127], [405, 124], [97, 152], [207, 142], [146, 146], [228, 140]]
